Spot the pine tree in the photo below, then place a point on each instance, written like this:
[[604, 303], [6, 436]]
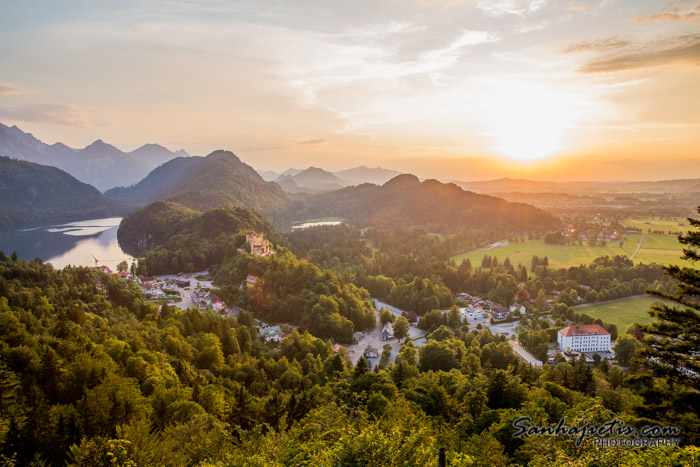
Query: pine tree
[[673, 339]]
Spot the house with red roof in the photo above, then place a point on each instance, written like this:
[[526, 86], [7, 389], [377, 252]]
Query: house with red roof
[[584, 338]]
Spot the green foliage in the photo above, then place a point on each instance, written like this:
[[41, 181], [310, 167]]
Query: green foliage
[[672, 340], [204, 183], [34, 193], [294, 291], [92, 375], [181, 240]]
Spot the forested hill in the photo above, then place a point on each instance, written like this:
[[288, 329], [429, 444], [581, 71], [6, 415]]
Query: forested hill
[[176, 227], [203, 183], [405, 201], [32, 193]]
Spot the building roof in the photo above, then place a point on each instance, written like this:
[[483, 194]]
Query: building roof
[[583, 330], [270, 331], [388, 327]]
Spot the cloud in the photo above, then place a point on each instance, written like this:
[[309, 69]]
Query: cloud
[[312, 142], [7, 89], [678, 12], [598, 45], [445, 57], [510, 7], [63, 114], [578, 6], [693, 17], [673, 50]]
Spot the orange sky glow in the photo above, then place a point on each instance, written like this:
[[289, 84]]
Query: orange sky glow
[[455, 90]]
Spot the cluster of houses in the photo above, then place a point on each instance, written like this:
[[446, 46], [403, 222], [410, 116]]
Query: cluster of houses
[[149, 284], [205, 299], [478, 307], [181, 283], [107, 270]]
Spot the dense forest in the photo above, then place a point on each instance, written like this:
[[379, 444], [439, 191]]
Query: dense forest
[[93, 375], [390, 263], [295, 291]]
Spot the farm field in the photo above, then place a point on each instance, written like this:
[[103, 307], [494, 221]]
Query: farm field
[[660, 249], [559, 255], [621, 313], [658, 223]]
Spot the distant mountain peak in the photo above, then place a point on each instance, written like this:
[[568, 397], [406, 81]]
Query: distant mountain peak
[[99, 144], [401, 181], [221, 153]]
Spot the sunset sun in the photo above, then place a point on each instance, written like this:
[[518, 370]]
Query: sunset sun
[[528, 122]]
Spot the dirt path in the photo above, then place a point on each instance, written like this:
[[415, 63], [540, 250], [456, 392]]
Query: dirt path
[[641, 239]]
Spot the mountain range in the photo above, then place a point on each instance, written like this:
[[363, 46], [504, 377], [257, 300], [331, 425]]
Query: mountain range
[[510, 185], [203, 183], [99, 164], [31, 192], [315, 180], [406, 201]]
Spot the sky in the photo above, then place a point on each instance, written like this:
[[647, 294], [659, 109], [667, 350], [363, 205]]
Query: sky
[[454, 90]]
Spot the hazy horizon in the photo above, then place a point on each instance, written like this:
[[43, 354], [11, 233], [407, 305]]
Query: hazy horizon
[[453, 90]]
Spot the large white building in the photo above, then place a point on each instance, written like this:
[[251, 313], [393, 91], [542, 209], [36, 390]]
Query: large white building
[[586, 338], [472, 313]]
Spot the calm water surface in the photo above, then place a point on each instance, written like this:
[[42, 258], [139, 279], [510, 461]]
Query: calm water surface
[[314, 224], [73, 243]]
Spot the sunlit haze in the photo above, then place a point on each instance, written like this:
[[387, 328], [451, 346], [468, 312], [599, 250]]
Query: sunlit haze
[[457, 90]]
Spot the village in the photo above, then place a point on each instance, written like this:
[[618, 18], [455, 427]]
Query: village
[[195, 290]]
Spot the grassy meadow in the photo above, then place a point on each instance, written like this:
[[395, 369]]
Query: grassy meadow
[[621, 313], [660, 249]]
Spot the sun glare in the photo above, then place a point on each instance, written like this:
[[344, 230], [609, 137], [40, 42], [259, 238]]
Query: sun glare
[[528, 122]]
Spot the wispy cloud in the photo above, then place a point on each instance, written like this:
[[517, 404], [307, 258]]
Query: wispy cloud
[[7, 89], [578, 6], [312, 142], [499, 8], [598, 45], [63, 114], [683, 49], [675, 12]]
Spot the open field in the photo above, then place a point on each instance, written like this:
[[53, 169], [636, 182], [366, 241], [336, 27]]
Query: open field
[[660, 249], [658, 223], [558, 255], [621, 313]]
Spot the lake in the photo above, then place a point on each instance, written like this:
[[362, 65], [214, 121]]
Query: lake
[[76, 243], [306, 225]]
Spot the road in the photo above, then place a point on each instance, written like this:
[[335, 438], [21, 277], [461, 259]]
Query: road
[[374, 339], [638, 246], [524, 353]]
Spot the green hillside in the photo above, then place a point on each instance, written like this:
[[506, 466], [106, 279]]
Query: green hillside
[[31, 193], [202, 183], [404, 201]]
